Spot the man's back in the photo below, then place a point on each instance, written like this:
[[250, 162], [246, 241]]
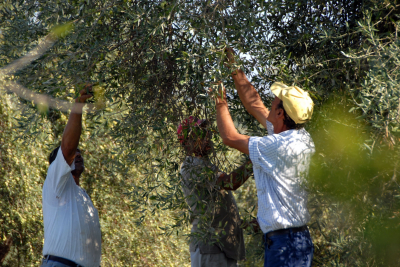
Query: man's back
[[281, 162]]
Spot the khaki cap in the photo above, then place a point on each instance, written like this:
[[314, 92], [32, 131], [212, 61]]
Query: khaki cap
[[296, 102]]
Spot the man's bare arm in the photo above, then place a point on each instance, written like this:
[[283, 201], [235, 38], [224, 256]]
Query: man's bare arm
[[72, 131], [236, 178], [247, 93], [226, 128]]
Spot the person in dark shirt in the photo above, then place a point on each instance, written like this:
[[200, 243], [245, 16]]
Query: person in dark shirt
[[216, 236]]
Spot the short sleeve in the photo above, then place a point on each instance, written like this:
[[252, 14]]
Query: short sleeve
[[270, 128], [263, 152], [58, 174]]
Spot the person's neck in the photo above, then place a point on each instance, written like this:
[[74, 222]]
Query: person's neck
[[76, 179], [280, 127]]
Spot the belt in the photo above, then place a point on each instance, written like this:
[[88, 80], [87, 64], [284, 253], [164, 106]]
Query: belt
[[286, 231], [62, 260]]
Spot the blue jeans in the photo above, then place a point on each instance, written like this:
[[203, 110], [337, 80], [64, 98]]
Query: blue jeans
[[294, 249]]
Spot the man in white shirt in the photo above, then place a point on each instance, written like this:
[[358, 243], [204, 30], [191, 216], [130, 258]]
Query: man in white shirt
[[72, 234], [280, 162]]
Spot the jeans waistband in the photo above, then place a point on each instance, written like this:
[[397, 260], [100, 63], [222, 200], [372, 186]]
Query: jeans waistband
[[61, 260], [286, 231]]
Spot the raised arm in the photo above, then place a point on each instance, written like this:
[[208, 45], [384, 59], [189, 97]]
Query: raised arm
[[236, 178], [226, 128], [247, 93], [72, 131]]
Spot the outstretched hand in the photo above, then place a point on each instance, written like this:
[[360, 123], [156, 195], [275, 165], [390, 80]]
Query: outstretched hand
[[230, 56], [72, 131], [84, 94], [220, 97]]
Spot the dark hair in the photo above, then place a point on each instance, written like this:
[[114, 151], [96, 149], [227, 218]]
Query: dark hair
[[53, 155], [290, 124], [198, 139]]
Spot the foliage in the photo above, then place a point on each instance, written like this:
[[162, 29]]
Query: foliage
[[154, 60], [20, 213], [378, 96]]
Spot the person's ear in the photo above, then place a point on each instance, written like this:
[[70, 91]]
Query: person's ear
[[279, 113]]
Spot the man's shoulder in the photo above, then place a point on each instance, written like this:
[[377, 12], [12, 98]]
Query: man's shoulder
[[299, 140], [263, 148], [60, 161], [266, 139], [58, 173], [305, 137], [297, 134]]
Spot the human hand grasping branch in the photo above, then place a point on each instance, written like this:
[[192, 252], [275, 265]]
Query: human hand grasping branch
[[73, 129], [84, 94], [220, 96], [230, 56], [230, 59]]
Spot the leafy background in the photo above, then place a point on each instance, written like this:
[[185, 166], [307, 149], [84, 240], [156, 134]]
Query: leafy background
[[152, 62]]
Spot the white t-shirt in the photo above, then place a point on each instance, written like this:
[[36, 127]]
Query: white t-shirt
[[280, 162], [71, 222]]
